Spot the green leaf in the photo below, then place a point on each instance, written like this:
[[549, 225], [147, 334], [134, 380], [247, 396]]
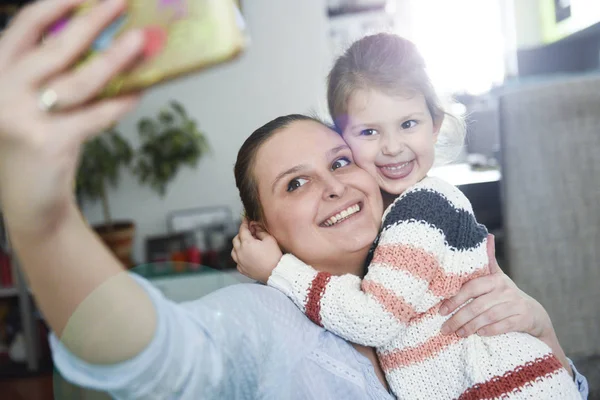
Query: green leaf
[[166, 117], [147, 128], [179, 109]]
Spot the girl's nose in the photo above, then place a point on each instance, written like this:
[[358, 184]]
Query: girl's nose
[[392, 145]]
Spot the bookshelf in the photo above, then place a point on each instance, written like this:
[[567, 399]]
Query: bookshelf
[[19, 291]]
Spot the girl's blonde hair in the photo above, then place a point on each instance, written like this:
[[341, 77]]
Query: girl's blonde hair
[[393, 65]]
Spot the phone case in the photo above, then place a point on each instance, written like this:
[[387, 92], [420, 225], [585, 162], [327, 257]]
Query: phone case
[[182, 36]]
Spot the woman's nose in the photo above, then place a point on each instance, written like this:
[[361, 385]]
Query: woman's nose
[[334, 188]]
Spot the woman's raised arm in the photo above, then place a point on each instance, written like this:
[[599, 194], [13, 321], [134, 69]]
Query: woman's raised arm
[[47, 111]]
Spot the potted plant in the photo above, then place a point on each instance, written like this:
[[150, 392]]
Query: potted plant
[[102, 161], [167, 142]]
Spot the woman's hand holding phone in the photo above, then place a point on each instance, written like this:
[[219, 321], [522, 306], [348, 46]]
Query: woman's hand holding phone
[[48, 108]]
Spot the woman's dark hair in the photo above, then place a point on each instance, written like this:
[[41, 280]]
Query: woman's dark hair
[[246, 159]]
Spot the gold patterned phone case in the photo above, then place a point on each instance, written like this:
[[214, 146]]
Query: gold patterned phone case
[[182, 36]]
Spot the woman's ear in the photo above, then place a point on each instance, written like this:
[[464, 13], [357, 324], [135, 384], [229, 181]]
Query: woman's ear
[[256, 227]]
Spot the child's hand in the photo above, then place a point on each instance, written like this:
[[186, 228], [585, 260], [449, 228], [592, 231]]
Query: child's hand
[[256, 255]]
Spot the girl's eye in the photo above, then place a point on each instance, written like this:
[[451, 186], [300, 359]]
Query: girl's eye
[[296, 183], [342, 162], [368, 132], [409, 124]]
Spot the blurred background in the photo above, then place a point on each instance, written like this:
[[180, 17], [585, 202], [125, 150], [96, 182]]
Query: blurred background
[[525, 73]]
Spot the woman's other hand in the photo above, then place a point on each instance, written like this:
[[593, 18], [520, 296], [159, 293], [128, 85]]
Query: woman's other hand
[[47, 107], [498, 306], [256, 253]]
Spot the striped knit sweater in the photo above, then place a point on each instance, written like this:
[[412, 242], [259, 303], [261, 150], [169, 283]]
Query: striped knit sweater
[[429, 246]]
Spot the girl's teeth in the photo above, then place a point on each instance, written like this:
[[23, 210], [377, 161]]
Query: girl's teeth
[[398, 167]]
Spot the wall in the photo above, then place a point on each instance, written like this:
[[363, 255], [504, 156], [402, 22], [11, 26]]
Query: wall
[[528, 22], [282, 72]]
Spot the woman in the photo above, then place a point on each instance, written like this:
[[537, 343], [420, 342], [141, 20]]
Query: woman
[[118, 334]]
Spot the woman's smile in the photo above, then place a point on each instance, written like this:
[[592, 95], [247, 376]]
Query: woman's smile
[[346, 214]]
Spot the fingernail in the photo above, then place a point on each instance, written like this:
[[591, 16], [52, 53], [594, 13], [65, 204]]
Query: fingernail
[[481, 332], [445, 330], [461, 332], [444, 310]]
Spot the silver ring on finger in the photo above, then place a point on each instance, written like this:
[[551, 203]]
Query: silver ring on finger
[[48, 100]]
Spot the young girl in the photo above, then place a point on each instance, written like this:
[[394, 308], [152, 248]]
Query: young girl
[[430, 244]]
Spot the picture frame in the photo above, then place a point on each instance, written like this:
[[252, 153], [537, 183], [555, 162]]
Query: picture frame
[[201, 218], [562, 10]]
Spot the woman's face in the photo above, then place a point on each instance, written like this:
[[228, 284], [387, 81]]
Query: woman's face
[[316, 202]]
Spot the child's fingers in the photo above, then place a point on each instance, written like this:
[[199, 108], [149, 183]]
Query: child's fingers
[[261, 235], [234, 256], [237, 242], [244, 233]]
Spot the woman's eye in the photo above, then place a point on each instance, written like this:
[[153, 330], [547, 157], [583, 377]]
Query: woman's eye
[[409, 124], [296, 183], [368, 132], [342, 162]]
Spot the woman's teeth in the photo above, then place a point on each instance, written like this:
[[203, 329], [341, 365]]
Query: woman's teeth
[[342, 215]]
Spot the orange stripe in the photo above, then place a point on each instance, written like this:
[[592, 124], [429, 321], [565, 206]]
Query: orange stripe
[[411, 355], [425, 266], [393, 304], [315, 293], [511, 381]]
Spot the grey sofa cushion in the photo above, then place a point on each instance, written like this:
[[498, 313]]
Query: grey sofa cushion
[[550, 139]]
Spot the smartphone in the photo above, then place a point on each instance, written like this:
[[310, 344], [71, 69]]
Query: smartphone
[[182, 37]]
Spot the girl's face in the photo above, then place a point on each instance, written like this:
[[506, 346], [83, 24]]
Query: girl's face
[[392, 137], [317, 203]]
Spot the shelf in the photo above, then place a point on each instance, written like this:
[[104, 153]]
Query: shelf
[[8, 292]]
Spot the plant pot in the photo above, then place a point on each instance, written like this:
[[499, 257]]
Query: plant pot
[[119, 239]]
